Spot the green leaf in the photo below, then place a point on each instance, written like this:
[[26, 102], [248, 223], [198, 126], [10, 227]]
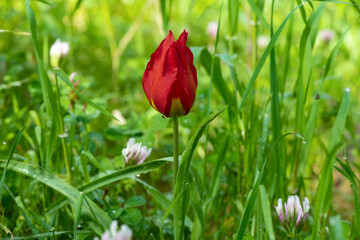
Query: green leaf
[[26, 214], [115, 176], [59, 185], [311, 119], [47, 91], [196, 200], [170, 208], [252, 199], [135, 201], [131, 216], [114, 212], [325, 187], [158, 196], [266, 210], [336, 228], [44, 235], [183, 174], [279, 162], [124, 173], [265, 55], [77, 212], [258, 13], [12, 150], [219, 166], [61, 74], [233, 9]]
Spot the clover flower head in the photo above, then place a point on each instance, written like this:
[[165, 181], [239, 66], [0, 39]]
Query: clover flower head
[[58, 49], [125, 232], [295, 213], [262, 41], [212, 29], [326, 35], [135, 151]]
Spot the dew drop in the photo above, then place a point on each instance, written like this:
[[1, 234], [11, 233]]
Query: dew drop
[[304, 142]]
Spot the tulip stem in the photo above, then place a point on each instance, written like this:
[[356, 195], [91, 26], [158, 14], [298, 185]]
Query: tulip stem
[[176, 147]]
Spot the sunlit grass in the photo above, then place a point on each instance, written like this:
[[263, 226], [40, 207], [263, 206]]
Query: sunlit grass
[[275, 115]]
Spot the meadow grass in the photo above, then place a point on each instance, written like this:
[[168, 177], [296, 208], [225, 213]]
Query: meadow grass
[[275, 115]]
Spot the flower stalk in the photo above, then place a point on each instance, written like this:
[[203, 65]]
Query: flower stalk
[[176, 147]]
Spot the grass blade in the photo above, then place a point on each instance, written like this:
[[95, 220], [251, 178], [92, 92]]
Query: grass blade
[[252, 199], [219, 166], [26, 214], [113, 177], [265, 55], [59, 185], [170, 208], [311, 119], [258, 13], [77, 212], [183, 174], [326, 177], [62, 75], [47, 91], [266, 209], [124, 173], [279, 164], [12, 150]]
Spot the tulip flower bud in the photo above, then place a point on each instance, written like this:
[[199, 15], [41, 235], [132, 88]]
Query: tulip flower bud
[[170, 79]]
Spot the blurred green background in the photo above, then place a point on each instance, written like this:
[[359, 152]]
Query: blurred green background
[[110, 44]]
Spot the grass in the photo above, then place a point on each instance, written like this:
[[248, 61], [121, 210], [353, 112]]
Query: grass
[[272, 118]]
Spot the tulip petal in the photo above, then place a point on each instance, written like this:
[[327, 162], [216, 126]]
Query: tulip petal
[[154, 66], [187, 55], [160, 91], [183, 88]]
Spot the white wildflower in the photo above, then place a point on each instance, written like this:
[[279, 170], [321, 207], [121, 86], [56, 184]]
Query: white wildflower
[[135, 151], [295, 213], [262, 41], [212, 28], [58, 49], [125, 233], [326, 35]]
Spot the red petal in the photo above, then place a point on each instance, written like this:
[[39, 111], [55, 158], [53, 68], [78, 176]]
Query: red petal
[[155, 65], [161, 91], [184, 87]]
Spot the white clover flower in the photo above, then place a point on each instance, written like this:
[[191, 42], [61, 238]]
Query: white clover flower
[[125, 233], [58, 49], [121, 120], [326, 35], [295, 213], [135, 151], [212, 29], [262, 41]]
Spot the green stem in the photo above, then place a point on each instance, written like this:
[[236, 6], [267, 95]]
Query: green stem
[[176, 147], [65, 151]]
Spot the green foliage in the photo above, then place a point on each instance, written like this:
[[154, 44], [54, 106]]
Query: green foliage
[[279, 66]]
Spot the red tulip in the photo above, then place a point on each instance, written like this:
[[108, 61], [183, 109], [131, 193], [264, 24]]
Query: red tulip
[[169, 79]]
